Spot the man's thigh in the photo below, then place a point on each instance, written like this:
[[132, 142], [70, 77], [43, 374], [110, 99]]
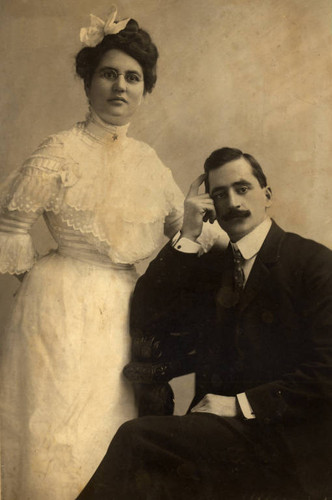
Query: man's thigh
[[195, 456]]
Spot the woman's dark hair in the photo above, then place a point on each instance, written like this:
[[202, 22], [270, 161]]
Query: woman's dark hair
[[133, 41], [221, 156]]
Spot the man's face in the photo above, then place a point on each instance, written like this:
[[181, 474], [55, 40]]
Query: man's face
[[239, 200]]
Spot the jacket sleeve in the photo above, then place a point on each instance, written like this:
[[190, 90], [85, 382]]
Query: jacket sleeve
[[307, 389], [160, 303]]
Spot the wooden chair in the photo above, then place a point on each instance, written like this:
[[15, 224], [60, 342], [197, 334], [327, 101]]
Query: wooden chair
[[155, 361]]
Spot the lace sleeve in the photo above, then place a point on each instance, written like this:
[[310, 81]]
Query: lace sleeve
[[175, 198], [17, 253], [36, 187], [39, 184]]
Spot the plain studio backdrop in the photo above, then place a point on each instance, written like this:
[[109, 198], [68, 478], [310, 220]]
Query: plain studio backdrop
[[251, 74]]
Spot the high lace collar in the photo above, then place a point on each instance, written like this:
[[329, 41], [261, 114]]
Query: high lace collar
[[102, 131]]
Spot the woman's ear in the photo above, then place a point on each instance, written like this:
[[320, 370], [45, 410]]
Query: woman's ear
[[87, 90]]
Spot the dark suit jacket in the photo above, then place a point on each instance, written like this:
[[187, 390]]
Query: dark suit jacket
[[274, 344]]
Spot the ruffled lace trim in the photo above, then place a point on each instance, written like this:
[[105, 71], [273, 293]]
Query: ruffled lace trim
[[116, 193], [17, 253], [33, 191]]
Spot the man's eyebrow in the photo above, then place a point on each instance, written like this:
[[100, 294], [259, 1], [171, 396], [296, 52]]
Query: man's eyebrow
[[241, 182], [218, 188]]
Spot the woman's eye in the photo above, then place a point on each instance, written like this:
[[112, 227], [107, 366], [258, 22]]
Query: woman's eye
[[133, 78], [110, 74]]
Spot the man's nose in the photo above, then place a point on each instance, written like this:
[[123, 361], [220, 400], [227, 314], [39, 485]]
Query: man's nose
[[233, 199], [120, 84]]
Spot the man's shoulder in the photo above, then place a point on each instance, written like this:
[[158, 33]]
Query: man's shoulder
[[304, 246], [299, 252]]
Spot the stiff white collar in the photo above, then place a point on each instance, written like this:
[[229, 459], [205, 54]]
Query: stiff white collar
[[251, 243]]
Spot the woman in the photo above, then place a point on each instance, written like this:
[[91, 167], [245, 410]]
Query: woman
[[106, 199]]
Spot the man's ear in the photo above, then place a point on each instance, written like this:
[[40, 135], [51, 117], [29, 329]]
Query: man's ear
[[268, 196]]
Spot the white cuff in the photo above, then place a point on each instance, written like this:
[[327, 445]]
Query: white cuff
[[245, 406], [185, 245]]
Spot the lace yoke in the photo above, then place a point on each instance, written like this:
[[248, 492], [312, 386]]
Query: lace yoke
[[110, 188]]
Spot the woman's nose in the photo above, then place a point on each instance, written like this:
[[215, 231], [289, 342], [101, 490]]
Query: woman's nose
[[120, 83]]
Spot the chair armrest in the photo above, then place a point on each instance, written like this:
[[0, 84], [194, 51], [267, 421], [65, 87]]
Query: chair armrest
[[148, 373], [155, 361], [160, 360]]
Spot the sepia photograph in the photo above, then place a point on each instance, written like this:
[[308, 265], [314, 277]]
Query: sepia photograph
[[165, 250]]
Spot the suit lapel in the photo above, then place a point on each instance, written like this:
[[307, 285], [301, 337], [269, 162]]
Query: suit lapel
[[260, 273], [258, 276]]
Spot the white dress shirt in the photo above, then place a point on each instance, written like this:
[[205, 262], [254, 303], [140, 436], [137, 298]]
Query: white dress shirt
[[249, 247]]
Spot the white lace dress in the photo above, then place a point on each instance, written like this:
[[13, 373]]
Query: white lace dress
[[105, 198]]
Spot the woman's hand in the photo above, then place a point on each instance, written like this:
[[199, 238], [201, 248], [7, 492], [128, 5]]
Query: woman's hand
[[198, 208], [20, 276]]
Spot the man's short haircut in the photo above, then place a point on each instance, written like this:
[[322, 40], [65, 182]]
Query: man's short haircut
[[224, 155]]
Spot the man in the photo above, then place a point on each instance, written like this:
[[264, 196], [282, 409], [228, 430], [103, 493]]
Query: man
[[262, 312]]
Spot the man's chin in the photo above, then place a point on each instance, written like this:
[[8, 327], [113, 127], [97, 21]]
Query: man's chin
[[236, 228]]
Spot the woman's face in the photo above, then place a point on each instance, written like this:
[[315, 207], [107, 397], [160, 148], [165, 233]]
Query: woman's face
[[116, 88]]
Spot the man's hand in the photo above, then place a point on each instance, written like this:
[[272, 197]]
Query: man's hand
[[224, 406], [198, 208]]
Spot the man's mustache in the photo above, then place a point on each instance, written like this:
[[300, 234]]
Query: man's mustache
[[235, 214]]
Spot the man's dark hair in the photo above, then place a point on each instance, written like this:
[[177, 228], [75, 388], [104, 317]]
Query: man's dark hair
[[224, 155]]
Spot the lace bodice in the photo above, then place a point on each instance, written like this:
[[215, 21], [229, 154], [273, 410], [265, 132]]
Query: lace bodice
[[95, 182]]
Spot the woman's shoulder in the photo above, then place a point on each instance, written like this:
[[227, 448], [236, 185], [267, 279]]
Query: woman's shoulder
[[59, 139], [148, 153], [141, 145], [52, 155]]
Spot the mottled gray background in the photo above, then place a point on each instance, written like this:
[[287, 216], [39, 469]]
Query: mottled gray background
[[252, 74]]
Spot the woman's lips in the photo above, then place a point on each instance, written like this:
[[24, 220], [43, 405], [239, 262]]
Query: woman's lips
[[117, 100]]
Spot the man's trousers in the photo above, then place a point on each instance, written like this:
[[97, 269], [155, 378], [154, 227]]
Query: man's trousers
[[198, 456]]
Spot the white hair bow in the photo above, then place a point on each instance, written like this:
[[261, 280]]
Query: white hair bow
[[98, 28]]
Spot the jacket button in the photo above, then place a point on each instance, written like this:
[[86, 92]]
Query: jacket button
[[239, 331], [267, 317]]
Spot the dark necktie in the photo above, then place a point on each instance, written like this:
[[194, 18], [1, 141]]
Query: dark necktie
[[232, 281], [238, 271]]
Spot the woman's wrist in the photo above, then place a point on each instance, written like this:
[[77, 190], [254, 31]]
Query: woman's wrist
[[20, 276]]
